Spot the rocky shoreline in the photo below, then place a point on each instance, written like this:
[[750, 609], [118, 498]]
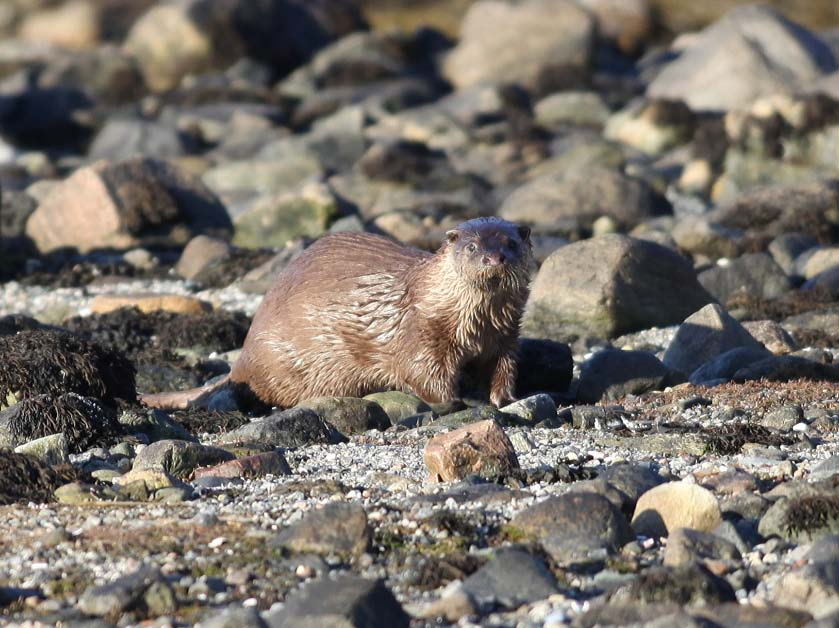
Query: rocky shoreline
[[674, 456]]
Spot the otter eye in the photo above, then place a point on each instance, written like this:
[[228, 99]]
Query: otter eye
[[471, 247]]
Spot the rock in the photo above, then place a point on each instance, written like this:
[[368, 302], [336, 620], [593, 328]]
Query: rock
[[827, 468], [72, 25], [753, 274], [180, 458], [787, 247], [469, 416], [632, 480], [544, 366], [145, 589], [826, 549], [155, 424], [345, 600], [274, 221], [52, 450], [455, 602], [235, 617], [84, 421], [571, 201], [190, 36], [689, 584], [772, 210], [560, 39], [480, 448], [260, 178], [703, 336], [570, 526], [398, 405], [772, 55], [725, 365], [148, 303], [772, 336], [570, 107], [24, 478], [685, 546], [612, 374], [296, 427], [651, 127], [122, 205], [783, 417], [802, 518], [608, 286], [823, 321], [629, 24], [144, 484], [349, 415], [673, 505], [337, 528], [826, 282], [256, 466], [200, 254], [813, 588], [124, 138], [817, 261], [783, 368], [533, 410], [511, 578]]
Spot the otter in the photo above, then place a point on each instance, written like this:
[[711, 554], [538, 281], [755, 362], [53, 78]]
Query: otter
[[357, 313]]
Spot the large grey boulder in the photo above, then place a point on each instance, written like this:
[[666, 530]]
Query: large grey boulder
[[608, 286], [751, 52]]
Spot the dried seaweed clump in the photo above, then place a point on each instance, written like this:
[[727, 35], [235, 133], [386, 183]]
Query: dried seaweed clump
[[201, 420], [730, 438], [137, 334], [26, 479], [38, 362], [813, 514], [85, 421]]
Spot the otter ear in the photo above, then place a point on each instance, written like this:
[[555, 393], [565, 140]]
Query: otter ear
[[524, 232], [452, 236]]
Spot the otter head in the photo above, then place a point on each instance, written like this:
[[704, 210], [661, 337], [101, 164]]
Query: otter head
[[490, 252]]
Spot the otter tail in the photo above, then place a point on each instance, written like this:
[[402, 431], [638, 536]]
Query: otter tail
[[183, 399]]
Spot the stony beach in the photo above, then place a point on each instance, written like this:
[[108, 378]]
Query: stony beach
[[673, 458]]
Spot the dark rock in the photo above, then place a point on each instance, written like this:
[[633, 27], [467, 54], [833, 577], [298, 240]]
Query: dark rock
[[84, 421], [783, 417], [685, 546], [27, 479], [398, 405], [296, 427], [632, 480], [705, 335], [612, 374], [235, 617], [688, 584], [734, 614], [630, 614], [753, 274], [511, 578], [573, 524], [782, 368], [345, 600], [725, 365], [826, 282], [337, 528], [145, 590], [180, 458], [349, 415], [608, 286], [544, 366], [55, 362]]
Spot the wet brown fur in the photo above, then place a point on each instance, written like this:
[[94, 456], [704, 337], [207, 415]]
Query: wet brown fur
[[358, 313]]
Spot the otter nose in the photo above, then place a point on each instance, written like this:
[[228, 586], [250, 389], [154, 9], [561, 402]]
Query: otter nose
[[493, 259]]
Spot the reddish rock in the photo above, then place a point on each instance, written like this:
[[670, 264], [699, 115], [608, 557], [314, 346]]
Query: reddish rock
[[147, 303], [199, 254], [268, 463], [479, 448]]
